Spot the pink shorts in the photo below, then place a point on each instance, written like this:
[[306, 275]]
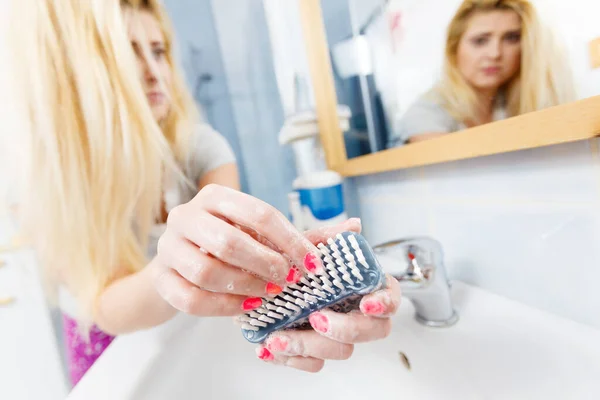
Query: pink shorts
[[81, 354]]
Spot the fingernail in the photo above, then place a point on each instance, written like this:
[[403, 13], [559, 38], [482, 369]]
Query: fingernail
[[294, 275], [277, 344], [273, 289], [319, 322], [313, 264], [264, 354], [251, 303], [373, 307]]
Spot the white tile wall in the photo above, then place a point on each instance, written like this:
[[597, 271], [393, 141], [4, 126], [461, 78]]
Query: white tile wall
[[525, 224]]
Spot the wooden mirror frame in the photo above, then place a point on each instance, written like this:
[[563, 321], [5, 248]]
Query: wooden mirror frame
[[570, 122]]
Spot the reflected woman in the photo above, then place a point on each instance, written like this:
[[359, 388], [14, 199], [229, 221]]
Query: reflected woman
[[500, 62]]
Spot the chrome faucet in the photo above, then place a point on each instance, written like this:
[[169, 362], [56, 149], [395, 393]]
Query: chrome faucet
[[424, 281]]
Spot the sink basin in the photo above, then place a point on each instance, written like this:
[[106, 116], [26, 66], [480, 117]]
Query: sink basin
[[499, 349]]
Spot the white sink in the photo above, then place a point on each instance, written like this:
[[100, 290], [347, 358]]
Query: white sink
[[499, 349]]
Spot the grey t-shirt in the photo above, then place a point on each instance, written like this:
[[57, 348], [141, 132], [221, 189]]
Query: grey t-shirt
[[425, 115], [428, 115], [209, 150]]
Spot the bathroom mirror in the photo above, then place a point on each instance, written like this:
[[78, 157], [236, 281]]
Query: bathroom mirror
[[437, 80]]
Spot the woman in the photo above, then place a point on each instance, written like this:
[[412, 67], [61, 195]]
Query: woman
[[499, 62], [102, 155]]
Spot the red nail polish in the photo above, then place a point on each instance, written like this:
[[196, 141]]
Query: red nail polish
[[294, 275], [373, 307], [273, 289], [319, 322], [251, 303], [313, 264], [264, 354], [277, 344]]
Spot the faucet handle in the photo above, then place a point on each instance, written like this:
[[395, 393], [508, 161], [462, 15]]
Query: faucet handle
[[423, 279], [420, 257]]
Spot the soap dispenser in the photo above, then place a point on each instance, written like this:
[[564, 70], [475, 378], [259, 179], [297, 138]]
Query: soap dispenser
[[317, 197]]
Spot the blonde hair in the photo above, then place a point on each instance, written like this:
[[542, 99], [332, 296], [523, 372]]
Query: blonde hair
[[543, 80], [93, 157]]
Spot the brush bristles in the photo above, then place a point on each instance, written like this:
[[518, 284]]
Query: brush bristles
[[343, 260]]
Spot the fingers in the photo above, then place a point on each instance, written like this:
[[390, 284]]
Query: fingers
[[228, 244], [307, 344], [353, 327], [187, 298], [207, 272], [265, 220], [303, 350], [321, 235], [256, 237], [308, 364], [382, 303], [372, 322]]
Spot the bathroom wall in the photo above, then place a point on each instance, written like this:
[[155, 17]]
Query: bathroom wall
[[242, 100], [525, 225], [246, 51], [199, 53]]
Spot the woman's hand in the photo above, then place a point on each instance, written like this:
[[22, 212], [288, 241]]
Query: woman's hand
[[334, 334], [224, 250]]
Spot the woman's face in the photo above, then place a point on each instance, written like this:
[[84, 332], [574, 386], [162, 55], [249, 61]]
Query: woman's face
[[155, 72], [489, 52]]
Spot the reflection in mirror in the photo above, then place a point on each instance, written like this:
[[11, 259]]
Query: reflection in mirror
[[345, 24], [416, 70]]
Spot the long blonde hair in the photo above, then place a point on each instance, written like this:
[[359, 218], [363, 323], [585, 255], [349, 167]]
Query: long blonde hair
[[92, 156], [544, 78]]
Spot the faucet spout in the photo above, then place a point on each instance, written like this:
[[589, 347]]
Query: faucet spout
[[424, 280]]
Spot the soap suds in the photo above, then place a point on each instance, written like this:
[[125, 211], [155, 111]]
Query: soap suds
[[295, 348], [273, 272]]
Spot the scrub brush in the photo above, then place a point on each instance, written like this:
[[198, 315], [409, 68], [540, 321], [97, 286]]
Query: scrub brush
[[351, 272]]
